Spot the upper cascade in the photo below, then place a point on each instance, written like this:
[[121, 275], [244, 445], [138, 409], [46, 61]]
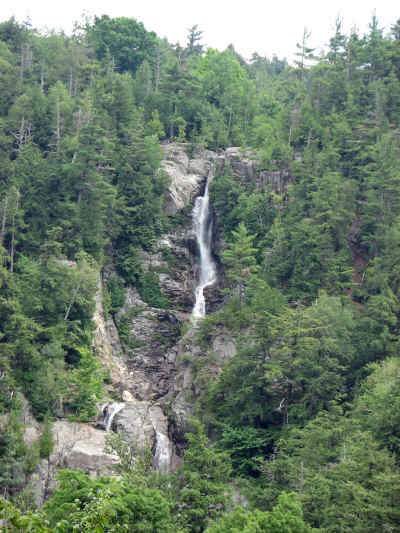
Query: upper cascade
[[203, 227]]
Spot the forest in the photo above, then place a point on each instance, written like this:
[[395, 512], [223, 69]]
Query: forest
[[299, 431]]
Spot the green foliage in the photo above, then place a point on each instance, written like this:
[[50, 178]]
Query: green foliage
[[15, 521], [199, 487], [135, 462], [338, 469], [286, 517], [311, 256], [106, 504], [84, 387], [377, 405], [117, 38], [150, 291], [155, 127], [12, 455], [46, 440], [225, 192], [116, 291], [246, 446], [239, 258]]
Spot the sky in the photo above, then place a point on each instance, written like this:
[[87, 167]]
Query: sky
[[262, 26]]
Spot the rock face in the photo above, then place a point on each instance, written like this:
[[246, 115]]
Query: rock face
[[151, 332], [187, 174], [106, 342], [145, 424], [76, 446], [195, 362], [246, 167], [174, 261]]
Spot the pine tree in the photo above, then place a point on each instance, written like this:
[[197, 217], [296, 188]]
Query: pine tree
[[240, 259]]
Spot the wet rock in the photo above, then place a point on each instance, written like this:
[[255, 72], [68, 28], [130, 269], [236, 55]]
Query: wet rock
[[144, 424]]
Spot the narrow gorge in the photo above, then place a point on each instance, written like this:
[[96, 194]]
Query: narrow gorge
[[149, 366]]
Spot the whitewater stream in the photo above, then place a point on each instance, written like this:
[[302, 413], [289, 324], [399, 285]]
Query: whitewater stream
[[203, 227], [112, 409]]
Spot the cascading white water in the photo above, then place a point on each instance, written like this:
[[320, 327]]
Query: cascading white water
[[162, 454], [112, 410], [203, 227]]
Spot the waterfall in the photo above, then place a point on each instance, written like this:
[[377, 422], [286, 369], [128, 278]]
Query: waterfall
[[162, 454], [203, 227], [112, 410]]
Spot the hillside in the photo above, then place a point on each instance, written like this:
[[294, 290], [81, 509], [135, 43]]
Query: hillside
[[275, 407]]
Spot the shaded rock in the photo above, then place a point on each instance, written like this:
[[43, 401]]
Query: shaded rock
[[32, 429], [223, 346], [189, 355], [214, 297], [174, 262], [246, 167], [151, 333]]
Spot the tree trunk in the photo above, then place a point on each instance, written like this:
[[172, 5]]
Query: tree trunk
[[157, 71], [14, 214], [58, 126], [42, 78], [71, 303], [3, 221], [70, 82]]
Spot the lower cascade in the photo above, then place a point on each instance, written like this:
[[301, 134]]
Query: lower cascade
[[112, 410], [162, 453], [203, 226]]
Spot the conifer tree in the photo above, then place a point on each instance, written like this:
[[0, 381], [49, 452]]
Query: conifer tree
[[240, 259]]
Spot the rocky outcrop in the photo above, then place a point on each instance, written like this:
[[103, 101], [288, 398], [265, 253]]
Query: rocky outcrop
[[187, 174], [143, 424], [174, 261], [148, 334], [107, 344], [196, 363], [246, 167], [76, 446]]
